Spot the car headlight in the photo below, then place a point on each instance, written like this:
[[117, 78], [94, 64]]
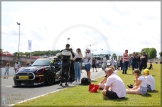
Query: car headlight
[[40, 71]]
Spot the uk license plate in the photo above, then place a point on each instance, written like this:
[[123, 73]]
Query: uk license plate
[[23, 77]]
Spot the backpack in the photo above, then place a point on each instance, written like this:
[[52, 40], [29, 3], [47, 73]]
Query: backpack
[[85, 81]]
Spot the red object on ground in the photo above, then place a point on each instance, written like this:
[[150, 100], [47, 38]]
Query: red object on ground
[[93, 88]]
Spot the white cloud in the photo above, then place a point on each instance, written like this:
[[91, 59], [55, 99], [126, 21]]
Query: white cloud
[[126, 25]]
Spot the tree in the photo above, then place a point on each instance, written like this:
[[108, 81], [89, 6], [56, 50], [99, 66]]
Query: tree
[[130, 55], [114, 56], [1, 50], [138, 53], [151, 52], [119, 57], [160, 54], [146, 50]]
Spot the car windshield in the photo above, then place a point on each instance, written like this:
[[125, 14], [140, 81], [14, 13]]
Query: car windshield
[[41, 63]]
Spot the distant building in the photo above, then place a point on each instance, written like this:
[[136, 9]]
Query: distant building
[[6, 57]]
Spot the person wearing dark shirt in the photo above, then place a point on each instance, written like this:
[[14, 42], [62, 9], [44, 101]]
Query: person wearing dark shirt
[[94, 64], [72, 71], [138, 61], [151, 67], [66, 57], [143, 63], [134, 61]]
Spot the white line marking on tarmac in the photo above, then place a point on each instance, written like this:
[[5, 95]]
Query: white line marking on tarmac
[[6, 86], [43, 95]]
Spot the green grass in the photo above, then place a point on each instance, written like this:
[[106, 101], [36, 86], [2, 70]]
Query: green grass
[[79, 95]]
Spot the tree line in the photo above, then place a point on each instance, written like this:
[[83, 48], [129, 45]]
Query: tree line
[[151, 52], [39, 53]]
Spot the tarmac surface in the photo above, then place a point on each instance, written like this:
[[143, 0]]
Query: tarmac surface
[[12, 95]]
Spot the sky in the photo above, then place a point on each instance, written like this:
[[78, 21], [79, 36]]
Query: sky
[[105, 27]]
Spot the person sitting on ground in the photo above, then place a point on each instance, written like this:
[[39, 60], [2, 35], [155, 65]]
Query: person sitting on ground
[[149, 79], [102, 83], [140, 86], [151, 67], [116, 84]]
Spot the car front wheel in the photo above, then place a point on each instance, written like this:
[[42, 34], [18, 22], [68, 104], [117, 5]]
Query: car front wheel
[[50, 78]]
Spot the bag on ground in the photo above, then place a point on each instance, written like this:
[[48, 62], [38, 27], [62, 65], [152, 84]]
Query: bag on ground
[[85, 81], [93, 88]]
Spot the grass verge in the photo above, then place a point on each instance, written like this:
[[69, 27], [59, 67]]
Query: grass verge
[[79, 95]]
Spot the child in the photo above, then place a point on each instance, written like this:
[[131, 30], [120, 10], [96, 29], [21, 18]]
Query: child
[[6, 74]]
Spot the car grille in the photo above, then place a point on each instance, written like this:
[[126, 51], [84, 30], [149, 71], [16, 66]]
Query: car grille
[[30, 76]]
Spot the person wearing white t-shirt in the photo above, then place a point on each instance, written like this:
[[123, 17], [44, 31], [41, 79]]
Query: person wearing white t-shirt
[[88, 62], [16, 66], [104, 64], [102, 83], [114, 87], [140, 86], [149, 79]]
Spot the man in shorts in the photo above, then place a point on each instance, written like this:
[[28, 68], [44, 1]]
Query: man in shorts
[[88, 62], [114, 87]]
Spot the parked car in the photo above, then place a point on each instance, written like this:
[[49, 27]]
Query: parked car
[[41, 72]]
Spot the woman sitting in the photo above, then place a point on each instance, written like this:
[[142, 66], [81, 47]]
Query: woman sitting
[[103, 81], [140, 86]]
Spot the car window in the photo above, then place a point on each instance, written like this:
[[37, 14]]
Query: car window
[[41, 63]]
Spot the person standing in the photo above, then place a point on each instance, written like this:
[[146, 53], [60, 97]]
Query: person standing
[[143, 64], [66, 57], [6, 74], [88, 62], [134, 61], [72, 71], [138, 61], [125, 62], [94, 64], [121, 63], [16, 66], [77, 64], [104, 64], [19, 64]]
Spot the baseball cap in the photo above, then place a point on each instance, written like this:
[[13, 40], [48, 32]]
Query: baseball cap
[[146, 71]]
